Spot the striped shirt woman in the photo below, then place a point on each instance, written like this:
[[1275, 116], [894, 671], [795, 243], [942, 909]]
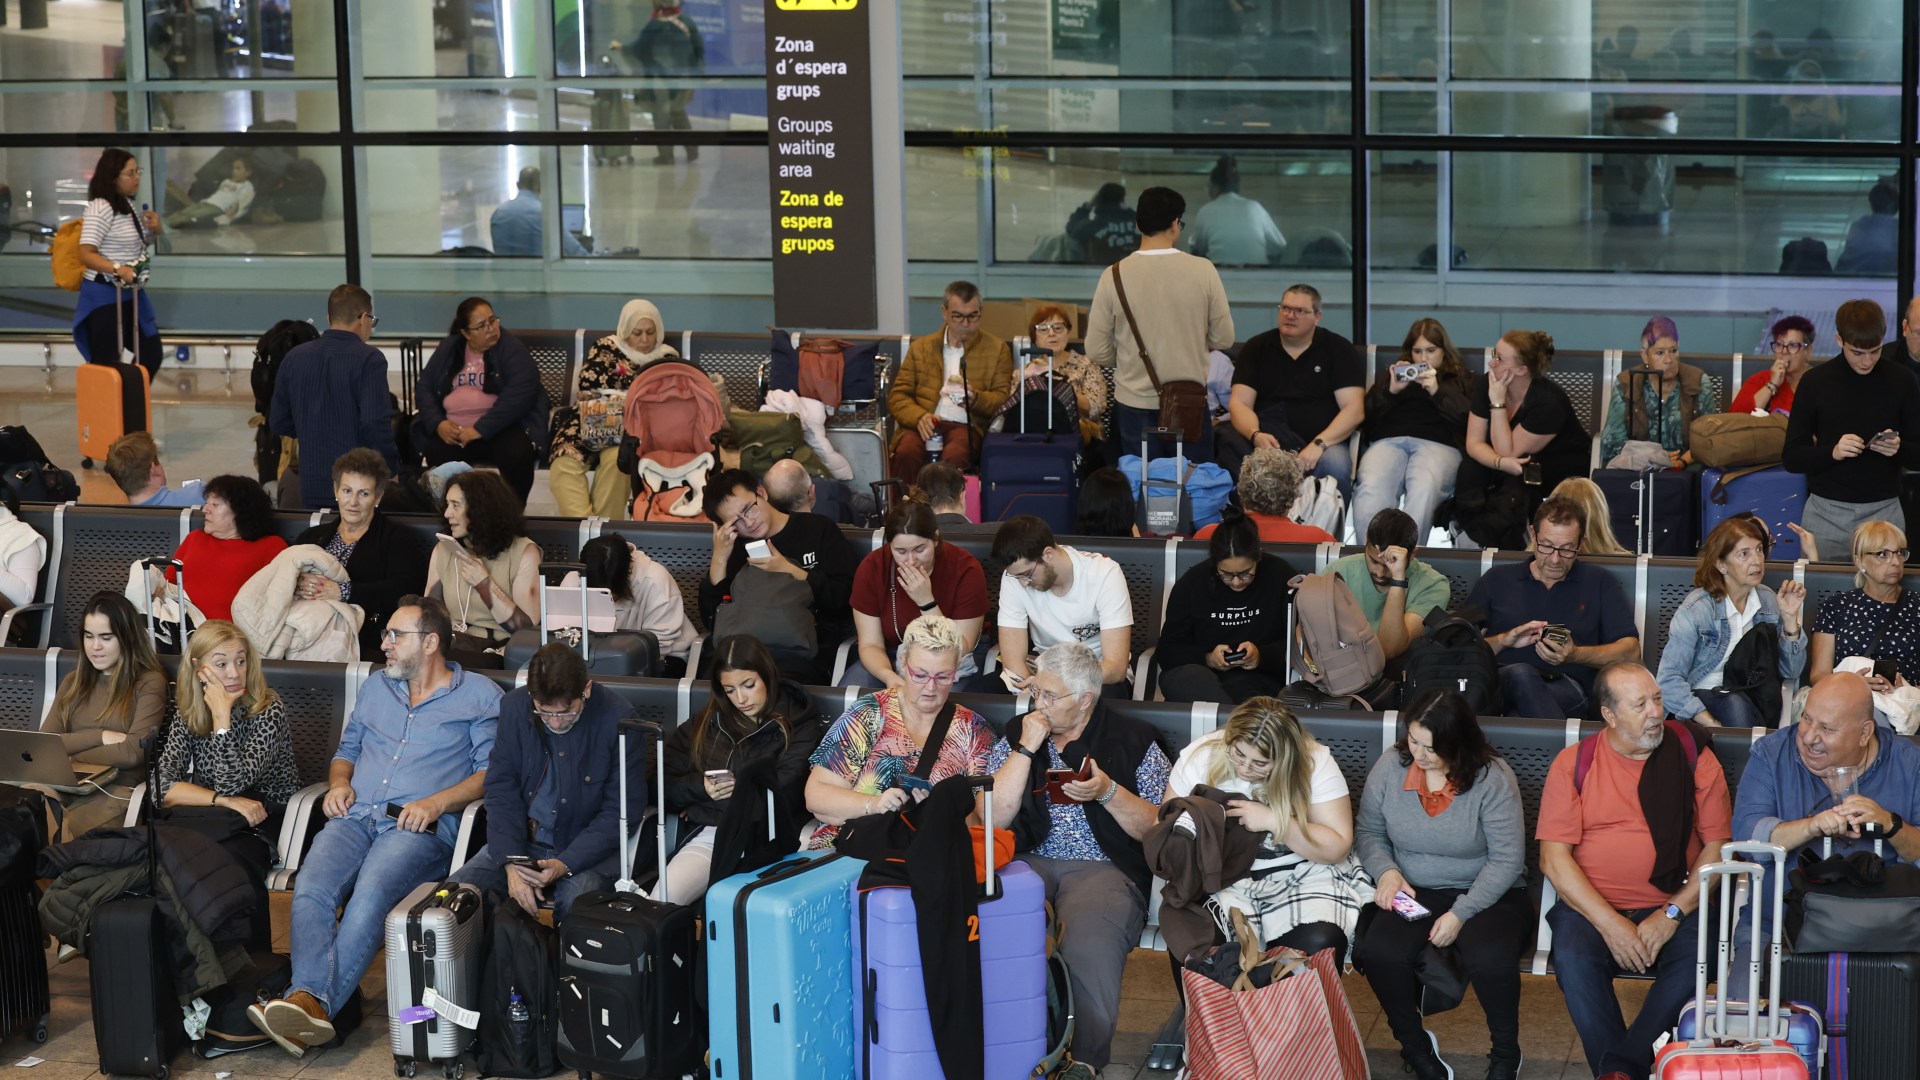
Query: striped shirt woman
[[114, 244]]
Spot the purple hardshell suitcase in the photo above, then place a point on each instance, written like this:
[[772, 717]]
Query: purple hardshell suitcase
[[1775, 495]]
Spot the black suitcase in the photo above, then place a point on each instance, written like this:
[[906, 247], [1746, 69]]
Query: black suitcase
[[627, 968], [616, 654], [24, 999], [136, 1014], [1030, 474], [1653, 513], [1870, 1013]]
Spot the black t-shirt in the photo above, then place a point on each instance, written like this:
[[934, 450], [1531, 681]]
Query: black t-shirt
[[1306, 385], [1546, 410], [1437, 417]]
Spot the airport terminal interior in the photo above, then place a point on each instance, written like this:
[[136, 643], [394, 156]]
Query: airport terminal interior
[[1571, 166]]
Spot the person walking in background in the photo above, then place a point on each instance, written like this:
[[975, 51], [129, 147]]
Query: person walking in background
[[116, 248]]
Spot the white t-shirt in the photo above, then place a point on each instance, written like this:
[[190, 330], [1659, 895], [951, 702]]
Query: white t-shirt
[[949, 409], [1098, 600], [1196, 761], [1738, 623]]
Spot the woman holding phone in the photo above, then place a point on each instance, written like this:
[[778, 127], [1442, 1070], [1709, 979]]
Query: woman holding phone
[[484, 568], [1442, 832]]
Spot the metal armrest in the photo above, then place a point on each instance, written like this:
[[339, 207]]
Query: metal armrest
[[303, 818], [1143, 673], [693, 654], [1150, 936], [847, 648], [473, 822], [46, 621], [135, 802]]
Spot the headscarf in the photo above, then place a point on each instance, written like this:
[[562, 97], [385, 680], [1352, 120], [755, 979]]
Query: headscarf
[[630, 316]]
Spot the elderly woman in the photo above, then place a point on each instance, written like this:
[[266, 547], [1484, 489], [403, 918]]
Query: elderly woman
[[586, 436], [1731, 612], [487, 572], [384, 561], [1657, 401], [235, 539], [480, 399], [645, 597], [1416, 424], [889, 733], [754, 722], [1441, 824], [1269, 482], [1050, 327], [1771, 390], [913, 573], [1879, 619]]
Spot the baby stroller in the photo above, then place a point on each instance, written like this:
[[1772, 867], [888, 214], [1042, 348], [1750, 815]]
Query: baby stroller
[[673, 423]]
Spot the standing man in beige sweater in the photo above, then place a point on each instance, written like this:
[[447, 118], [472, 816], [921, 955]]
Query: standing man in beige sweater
[[1181, 309]]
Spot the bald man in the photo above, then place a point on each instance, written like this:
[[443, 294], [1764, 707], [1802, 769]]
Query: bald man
[[795, 490]]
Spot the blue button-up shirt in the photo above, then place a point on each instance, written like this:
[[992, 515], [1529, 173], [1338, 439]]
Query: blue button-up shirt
[[402, 752], [187, 494]]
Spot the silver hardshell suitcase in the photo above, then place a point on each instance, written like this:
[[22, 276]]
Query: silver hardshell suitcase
[[434, 941]]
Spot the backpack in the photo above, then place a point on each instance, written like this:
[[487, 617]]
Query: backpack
[[229, 1030], [1452, 655], [68, 270], [269, 351], [1319, 504], [521, 958], [1332, 641], [1692, 740], [301, 192], [25, 468], [776, 609], [767, 437]]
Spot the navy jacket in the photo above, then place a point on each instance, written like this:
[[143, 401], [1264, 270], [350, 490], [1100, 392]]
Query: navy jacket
[[587, 831], [511, 374], [332, 395]]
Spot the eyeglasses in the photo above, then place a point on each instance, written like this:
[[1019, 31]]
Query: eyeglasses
[[751, 510], [372, 320], [1024, 577], [1298, 312], [945, 678], [1049, 327], [1890, 554], [394, 635], [484, 325], [1235, 575], [1554, 551], [558, 714], [1047, 699], [963, 316], [1240, 758], [1791, 347]]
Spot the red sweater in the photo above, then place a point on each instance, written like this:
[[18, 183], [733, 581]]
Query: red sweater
[[215, 569], [1278, 530]]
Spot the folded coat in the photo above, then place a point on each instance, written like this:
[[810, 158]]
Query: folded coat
[[1196, 863], [282, 627]]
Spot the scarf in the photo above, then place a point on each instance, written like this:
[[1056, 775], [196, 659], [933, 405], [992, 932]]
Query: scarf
[[631, 315], [1666, 800]]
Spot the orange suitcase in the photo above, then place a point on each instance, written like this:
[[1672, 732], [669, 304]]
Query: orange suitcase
[[99, 410]]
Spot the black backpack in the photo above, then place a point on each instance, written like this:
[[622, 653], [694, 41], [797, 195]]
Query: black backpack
[[1453, 655], [521, 958], [29, 473], [229, 1030], [269, 351]]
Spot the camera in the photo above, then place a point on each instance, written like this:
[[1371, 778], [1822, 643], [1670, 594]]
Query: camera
[[1410, 372]]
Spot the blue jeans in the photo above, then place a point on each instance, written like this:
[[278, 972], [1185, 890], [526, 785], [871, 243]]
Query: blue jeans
[[1585, 969], [1736, 710], [1422, 469], [1129, 423], [368, 864], [484, 872], [1530, 693]]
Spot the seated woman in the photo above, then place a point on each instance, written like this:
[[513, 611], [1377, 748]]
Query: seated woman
[[235, 539], [1441, 823], [23, 553], [1416, 424], [1225, 635], [488, 572], [1518, 417], [384, 561], [1730, 611], [1050, 326], [228, 748], [480, 399], [885, 735], [106, 709], [754, 722], [610, 365], [1598, 539], [1269, 482], [1106, 506], [912, 574], [1877, 619], [1771, 389], [1305, 889], [1657, 401], [645, 597]]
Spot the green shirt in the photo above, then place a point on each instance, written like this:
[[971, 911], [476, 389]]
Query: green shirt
[[1427, 588]]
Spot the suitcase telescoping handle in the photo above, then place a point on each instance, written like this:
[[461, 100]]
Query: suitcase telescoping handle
[[1726, 872], [1179, 438], [985, 783], [626, 884], [1027, 351], [162, 563]]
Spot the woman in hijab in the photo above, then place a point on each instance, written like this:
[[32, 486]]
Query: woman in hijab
[[586, 436]]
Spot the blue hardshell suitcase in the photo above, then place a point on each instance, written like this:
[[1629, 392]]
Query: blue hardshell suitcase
[[778, 947], [1776, 495], [890, 992], [1031, 474]]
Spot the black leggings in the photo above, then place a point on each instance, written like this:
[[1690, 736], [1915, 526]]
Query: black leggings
[[103, 340], [1490, 945]]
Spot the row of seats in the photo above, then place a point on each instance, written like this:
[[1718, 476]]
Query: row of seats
[[91, 547]]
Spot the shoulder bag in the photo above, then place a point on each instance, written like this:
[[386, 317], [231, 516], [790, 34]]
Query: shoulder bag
[[1183, 402]]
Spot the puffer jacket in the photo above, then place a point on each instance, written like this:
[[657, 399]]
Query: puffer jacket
[[282, 627], [686, 776]]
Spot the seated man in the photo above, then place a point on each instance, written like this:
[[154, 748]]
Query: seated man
[[1396, 590], [553, 796], [794, 490], [134, 463], [424, 728], [803, 546], [1621, 851], [1550, 676], [1299, 387], [1784, 797], [1088, 852], [950, 387], [1050, 595], [518, 227], [946, 492]]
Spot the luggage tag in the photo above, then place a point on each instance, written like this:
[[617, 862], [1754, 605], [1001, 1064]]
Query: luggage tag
[[435, 1004], [416, 1014]]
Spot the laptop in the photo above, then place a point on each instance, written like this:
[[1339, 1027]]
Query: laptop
[[39, 757]]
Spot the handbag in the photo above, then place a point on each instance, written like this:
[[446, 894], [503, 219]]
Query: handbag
[[1183, 402], [1297, 1027], [1753, 669], [1854, 903], [603, 419], [1737, 440], [775, 608]]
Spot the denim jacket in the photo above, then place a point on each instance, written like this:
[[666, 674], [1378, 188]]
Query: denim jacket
[[1697, 642]]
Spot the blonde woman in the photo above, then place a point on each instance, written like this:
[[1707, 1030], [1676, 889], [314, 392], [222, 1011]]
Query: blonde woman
[[1306, 888], [1599, 539]]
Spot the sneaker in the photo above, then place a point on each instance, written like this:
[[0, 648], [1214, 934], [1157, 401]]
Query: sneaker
[[299, 1017], [1425, 1062], [1503, 1068], [257, 1012]]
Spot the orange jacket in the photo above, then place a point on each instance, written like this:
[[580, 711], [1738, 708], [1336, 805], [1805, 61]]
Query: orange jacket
[[988, 362]]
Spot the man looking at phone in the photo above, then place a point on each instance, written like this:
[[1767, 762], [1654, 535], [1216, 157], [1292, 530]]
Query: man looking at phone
[[1299, 387], [1854, 429], [1081, 829], [553, 788], [1621, 837], [1395, 590], [1558, 619], [1051, 594], [414, 753]]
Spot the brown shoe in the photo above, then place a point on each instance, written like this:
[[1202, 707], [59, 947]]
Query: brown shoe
[[297, 1018]]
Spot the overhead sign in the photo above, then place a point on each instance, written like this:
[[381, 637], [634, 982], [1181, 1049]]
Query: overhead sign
[[820, 164]]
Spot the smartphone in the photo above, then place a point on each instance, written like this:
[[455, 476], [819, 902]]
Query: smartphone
[[758, 549], [1884, 436], [445, 539], [1057, 779], [719, 774], [393, 811], [527, 861], [1408, 908], [1886, 669], [1530, 474], [1556, 633], [911, 783], [1235, 656]]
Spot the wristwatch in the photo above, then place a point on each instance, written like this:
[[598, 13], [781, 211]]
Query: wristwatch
[[1673, 912], [1397, 583], [1319, 442], [1023, 751], [1897, 824]]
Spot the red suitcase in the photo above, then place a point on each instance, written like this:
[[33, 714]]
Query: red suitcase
[[1710, 1055]]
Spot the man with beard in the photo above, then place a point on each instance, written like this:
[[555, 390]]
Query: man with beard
[[1050, 594]]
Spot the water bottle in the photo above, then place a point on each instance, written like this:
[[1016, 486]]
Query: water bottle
[[517, 1011], [519, 1025]]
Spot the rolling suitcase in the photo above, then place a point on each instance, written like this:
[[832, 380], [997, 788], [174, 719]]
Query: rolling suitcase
[[1752, 1047], [1655, 512], [773, 936], [1030, 474], [613, 653], [24, 995], [434, 941], [1869, 1001], [1802, 1026], [136, 1014], [1775, 495], [1165, 509], [895, 1029], [104, 408], [627, 1005]]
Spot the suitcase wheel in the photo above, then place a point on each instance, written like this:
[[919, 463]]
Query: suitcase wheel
[[403, 1066], [453, 1070], [161, 1073], [86, 463], [40, 1031]]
